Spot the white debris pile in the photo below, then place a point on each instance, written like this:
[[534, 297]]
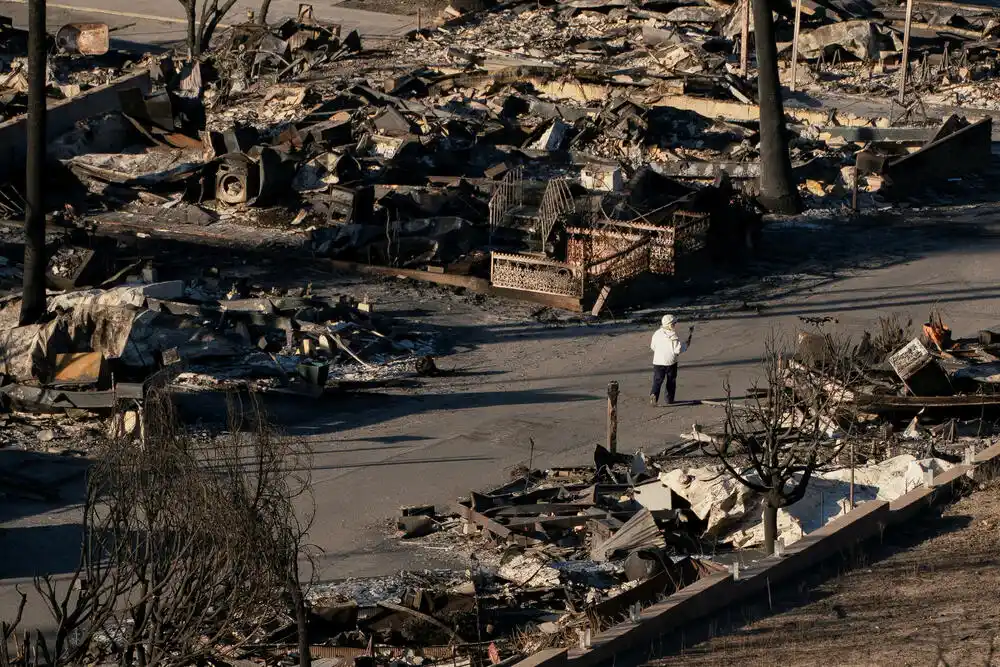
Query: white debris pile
[[714, 495], [530, 571], [734, 513]]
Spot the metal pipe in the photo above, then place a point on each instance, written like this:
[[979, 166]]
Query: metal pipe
[[33, 303], [795, 42]]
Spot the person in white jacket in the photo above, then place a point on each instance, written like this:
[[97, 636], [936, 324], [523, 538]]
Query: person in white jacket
[[666, 347]]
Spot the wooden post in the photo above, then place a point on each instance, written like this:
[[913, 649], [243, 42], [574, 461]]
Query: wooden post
[[745, 39], [852, 473], [33, 296], [420, 22], [795, 42], [906, 51], [854, 188], [613, 416]]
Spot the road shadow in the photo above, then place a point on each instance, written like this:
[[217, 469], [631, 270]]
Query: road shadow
[[40, 531], [303, 416]]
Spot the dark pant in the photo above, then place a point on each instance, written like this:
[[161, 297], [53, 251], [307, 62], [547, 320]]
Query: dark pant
[[668, 373]]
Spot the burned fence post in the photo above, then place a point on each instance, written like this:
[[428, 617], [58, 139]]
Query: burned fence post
[[612, 416], [33, 305], [906, 51], [745, 38], [852, 473], [854, 188], [795, 42]]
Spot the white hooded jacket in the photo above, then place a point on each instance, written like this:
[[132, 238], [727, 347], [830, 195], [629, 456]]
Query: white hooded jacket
[[666, 347]]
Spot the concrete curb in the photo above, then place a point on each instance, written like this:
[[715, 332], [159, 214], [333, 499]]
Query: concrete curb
[[716, 592]]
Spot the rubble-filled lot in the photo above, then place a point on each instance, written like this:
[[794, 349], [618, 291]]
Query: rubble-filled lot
[[572, 550], [553, 152]]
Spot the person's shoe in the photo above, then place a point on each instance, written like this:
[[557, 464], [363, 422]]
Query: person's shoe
[[670, 401], [652, 399]]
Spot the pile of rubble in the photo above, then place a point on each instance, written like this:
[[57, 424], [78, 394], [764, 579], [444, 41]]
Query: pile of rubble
[[553, 555], [81, 60], [556, 152], [100, 350]]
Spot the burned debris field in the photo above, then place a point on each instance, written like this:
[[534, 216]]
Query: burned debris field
[[340, 345]]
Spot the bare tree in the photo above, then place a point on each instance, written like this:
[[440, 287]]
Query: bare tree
[[778, 438], [201, 29], [777, 187], [191, 547]]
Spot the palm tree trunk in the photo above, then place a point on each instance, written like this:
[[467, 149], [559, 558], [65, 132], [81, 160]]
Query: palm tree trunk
[[777, 188]]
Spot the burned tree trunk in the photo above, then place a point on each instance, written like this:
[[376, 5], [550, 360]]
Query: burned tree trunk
[[33, 298], [191, 14], [265, 6], [301, 620], [770, 523], [777, 189]]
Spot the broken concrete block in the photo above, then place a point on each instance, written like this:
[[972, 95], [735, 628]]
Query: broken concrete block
[[693, 14], [920, 371], [607, 178], [553, 137], [859, 38], [529, 571], [680, 58], [847, 176], [714, 496], [654, 496]]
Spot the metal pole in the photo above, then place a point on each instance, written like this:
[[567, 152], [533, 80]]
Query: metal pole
[[613, 416], [906, 51], [33, 303], [795, 42], [745, 39], [852, 473]]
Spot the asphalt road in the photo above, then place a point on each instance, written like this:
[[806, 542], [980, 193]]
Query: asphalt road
[[549, 384], [519, 380], [146, 24]]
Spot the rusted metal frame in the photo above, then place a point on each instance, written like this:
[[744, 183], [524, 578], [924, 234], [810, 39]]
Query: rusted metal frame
[[535, 509], [871, 402], [645, 240], [578, 277], [566, 521], [556, 201], [493, 527], [509, 193]]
